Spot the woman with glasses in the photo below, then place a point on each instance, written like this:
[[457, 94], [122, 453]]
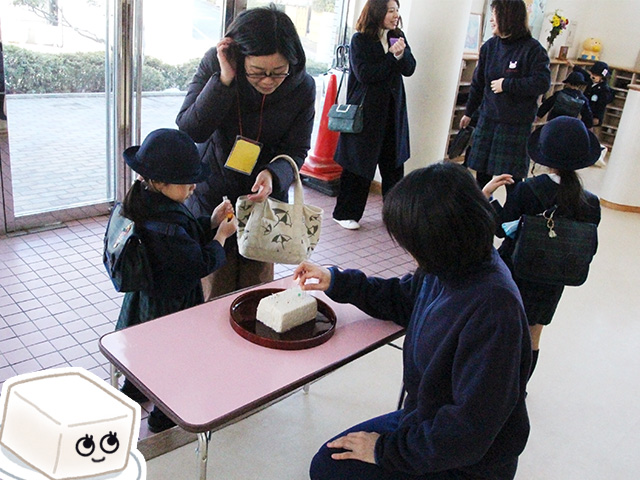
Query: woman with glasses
[[250, 100], [379, 57]]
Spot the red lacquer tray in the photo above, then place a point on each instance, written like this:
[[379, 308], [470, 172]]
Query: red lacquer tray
[[310, 334]]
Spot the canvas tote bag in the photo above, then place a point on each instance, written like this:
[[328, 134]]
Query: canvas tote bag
[[277, 232]]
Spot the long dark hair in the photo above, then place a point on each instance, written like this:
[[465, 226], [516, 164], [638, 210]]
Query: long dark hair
[[511, 16], [439, 215], [372, 17], [132, 206], [571, 199], [265, 31]]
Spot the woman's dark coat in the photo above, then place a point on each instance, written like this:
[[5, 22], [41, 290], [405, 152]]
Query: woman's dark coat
[[209, 115], [376, 76]]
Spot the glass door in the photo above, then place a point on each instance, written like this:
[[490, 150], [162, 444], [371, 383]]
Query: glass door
[[53, 137]]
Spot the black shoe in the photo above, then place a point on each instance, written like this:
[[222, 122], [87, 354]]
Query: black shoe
[[158, 421], [131, 391]]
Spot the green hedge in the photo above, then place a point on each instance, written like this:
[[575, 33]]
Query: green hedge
[[34, 72]]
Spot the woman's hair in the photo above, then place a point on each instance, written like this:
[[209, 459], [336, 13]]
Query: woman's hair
[[571, 198], [372, 17], [439, 215], [511, 16], [265, 31]]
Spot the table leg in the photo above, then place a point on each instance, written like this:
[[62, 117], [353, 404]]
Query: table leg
[[114, 375], [203, 453]]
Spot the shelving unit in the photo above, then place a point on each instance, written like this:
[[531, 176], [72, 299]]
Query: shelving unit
[[464, 85], [620, 80]]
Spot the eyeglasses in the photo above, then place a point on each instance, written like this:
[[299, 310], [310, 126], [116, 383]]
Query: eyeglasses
[[260, 76]]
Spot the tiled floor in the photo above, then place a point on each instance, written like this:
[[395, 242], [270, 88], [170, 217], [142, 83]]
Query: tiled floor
[[56, 301]]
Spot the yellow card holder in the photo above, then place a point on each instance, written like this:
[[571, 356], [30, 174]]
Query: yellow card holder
[[244, 155]]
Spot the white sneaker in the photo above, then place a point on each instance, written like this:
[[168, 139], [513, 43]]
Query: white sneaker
[[348, 224]]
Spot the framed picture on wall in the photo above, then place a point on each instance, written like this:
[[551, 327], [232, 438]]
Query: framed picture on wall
[[474, 31]]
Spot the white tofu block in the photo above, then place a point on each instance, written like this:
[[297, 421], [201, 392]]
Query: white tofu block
[[69, 424], [285, 310]]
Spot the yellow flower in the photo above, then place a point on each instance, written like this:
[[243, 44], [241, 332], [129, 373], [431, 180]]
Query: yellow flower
[[556, 21]]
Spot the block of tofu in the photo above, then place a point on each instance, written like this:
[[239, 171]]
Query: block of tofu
[[68, 424], [285, 310]]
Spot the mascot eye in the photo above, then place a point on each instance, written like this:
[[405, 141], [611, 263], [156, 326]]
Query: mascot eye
[[85, 446], [109, 443]]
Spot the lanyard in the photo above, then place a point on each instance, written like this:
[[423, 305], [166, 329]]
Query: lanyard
[[240, 116]]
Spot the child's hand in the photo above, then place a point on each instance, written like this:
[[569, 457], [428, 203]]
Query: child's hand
[[312, 277], [495, 183], [221, 213], [226, 229]]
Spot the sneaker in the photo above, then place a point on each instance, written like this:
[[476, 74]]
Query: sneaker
[[158, 421], [348, 224], [131, 391]]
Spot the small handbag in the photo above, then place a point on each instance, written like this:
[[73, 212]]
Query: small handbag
[[124, 254], [554, 250], [460, 142], [346, 117], [278, 232]]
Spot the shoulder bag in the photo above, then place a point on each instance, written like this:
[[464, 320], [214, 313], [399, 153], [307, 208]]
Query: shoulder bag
[[278, 232], [554, 250], [346, 117]]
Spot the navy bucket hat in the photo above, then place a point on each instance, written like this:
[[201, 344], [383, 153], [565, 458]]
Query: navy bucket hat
[[167, 155], [575, 78], [600, 68], [564, 143]]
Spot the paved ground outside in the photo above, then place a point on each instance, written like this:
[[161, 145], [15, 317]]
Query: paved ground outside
[[58, 146]]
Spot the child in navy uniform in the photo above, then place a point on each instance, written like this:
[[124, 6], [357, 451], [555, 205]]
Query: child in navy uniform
[[598, 93], [564, 145], [168, 165], [569, 101]]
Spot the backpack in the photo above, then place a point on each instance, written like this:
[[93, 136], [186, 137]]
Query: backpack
[[567, 105], [124, 254]]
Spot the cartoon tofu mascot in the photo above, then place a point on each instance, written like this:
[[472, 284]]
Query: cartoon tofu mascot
[[67, 423]]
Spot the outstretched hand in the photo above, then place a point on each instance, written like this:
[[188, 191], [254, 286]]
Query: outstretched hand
[[312, 277], [497, 182], [262, 187]]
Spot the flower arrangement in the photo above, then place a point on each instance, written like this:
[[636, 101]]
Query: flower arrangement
[[558, 24]]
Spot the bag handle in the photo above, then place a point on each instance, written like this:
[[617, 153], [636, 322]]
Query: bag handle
[[298, 195]]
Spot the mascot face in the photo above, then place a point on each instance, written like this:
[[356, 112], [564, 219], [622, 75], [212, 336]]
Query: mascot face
[[592, 44]]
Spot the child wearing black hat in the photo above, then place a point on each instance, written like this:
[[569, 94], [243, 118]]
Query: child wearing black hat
[[569, 101], [169, 166], [564, 145], [598, 93]]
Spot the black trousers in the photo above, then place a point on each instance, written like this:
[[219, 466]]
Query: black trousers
[[354, 189]]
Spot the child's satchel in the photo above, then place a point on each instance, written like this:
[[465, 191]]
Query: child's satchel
[[554, 250], [124, 254], [567, 105], [277, 232]]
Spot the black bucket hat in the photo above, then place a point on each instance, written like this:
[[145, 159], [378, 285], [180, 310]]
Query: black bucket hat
[[564, 143], [167, 155], [576, 78]]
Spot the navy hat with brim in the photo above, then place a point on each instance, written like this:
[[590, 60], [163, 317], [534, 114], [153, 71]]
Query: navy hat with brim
[[168, 155], [575, 78], [600, 68], [564, 143]]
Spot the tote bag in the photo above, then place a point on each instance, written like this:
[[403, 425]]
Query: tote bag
[[277, 232], [555, 251]]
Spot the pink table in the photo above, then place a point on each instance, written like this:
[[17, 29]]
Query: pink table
[[204, 375]]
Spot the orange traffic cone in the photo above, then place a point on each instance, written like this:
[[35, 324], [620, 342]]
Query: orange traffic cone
[[319, 171]]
